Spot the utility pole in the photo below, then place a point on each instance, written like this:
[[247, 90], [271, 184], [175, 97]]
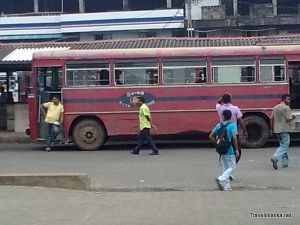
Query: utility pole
[[36, 6], [125, 4], [62, 6], [81, 6], [190, 28], [275, 10], [235, 8], [169, 4]]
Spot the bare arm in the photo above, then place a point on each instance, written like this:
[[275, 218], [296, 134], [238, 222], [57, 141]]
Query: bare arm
[[272, 124], [220, 101], [212, 137], [241, 122], [291, 119], [235, 144], [149, 119], [43, 110], [61, 118]]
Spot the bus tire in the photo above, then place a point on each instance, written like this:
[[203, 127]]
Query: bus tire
[[88, 135], [258, 132]]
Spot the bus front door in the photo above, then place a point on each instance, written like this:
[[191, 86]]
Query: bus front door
[[49, 84], [294, 78]]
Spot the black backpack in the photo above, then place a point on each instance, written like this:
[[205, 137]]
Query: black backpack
[[222, 143]]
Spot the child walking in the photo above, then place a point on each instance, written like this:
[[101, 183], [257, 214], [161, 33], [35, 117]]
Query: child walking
[[228, 159]]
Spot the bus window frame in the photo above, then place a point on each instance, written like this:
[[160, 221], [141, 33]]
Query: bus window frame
[[273, 69], [114, 69], [198, 59], [88, 69], [235, 65], [60, 76]]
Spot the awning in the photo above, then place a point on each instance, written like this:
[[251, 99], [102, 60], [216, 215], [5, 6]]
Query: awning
[[25, 54]]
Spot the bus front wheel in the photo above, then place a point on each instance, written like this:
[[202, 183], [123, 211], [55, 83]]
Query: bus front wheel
[[258, 132], [88, 134]]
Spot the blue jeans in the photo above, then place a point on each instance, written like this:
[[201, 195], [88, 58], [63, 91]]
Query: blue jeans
[[228, 163], [144, 136], [51, 132], [281, 152]]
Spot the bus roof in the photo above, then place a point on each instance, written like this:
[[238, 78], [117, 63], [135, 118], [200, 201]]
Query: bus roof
[[168, 52]]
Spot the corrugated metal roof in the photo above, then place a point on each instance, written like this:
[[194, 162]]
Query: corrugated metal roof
[[7, 49], [25, 54]]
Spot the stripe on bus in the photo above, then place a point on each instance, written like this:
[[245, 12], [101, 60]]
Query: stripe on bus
[[175, 98]]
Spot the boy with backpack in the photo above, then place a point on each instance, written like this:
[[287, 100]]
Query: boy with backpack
[[224, 135]]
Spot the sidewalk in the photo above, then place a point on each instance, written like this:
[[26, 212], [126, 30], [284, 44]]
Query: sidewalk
[[14, 137]]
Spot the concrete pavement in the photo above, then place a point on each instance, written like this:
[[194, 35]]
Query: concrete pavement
[[42, 206], [177, 187], [180, 167]]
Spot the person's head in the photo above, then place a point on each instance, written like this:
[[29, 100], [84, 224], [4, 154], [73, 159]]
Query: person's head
[[226, 98], [226, 115], [141, 100], [55, 100], [286, 99]]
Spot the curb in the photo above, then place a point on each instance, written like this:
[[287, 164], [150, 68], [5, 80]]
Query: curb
[[15, 140], [67, 181]]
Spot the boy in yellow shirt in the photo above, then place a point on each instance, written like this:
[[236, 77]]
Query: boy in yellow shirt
[[53, 113], [145, 125]]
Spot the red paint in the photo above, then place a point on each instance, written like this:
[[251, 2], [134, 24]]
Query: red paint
[[169, 116]]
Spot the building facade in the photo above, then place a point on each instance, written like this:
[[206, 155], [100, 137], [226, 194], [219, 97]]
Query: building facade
[[244, 18], [89, 20]]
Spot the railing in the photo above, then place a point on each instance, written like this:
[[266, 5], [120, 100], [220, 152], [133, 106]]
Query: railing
[[32, 14]]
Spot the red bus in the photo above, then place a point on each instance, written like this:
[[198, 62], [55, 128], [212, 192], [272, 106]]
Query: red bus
[[181, 85]]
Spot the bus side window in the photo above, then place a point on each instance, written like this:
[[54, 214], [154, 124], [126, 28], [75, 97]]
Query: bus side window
[[104, 77], [272, 69], [201, 75], [119, 77], [152, 76], [233, 70], [131, 79], [184, 71], [135, 71]]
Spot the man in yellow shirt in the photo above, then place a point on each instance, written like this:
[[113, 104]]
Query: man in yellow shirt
[[53, 113], [145, 124]]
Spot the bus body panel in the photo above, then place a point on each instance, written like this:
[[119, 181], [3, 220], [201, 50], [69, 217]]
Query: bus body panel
[[174, 109]]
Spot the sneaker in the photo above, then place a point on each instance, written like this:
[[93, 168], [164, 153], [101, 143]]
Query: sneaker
[[274, 161], [227, 189], [219, 184], [285, 165], [231, 178], [154, 153], [48, 149], [135, 152]]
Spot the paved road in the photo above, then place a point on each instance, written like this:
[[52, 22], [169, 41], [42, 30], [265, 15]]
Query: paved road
[[176, 187], [188, 168]]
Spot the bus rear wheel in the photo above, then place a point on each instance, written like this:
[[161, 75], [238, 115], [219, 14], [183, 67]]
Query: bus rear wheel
[[88, 134], [258, 132]]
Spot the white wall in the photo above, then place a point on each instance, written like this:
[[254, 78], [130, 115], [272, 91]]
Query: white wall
[[197, 4], [92, 22]]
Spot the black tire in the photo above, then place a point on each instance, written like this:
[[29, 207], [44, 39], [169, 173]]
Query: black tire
[[88, 134], [258, 132]]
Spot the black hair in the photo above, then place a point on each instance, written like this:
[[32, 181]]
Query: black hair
[[226, 98], [142, 99], [283, 97], [56, 96], [227, 114]]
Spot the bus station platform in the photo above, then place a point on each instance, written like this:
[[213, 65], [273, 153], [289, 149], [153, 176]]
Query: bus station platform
[[14, 137]]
